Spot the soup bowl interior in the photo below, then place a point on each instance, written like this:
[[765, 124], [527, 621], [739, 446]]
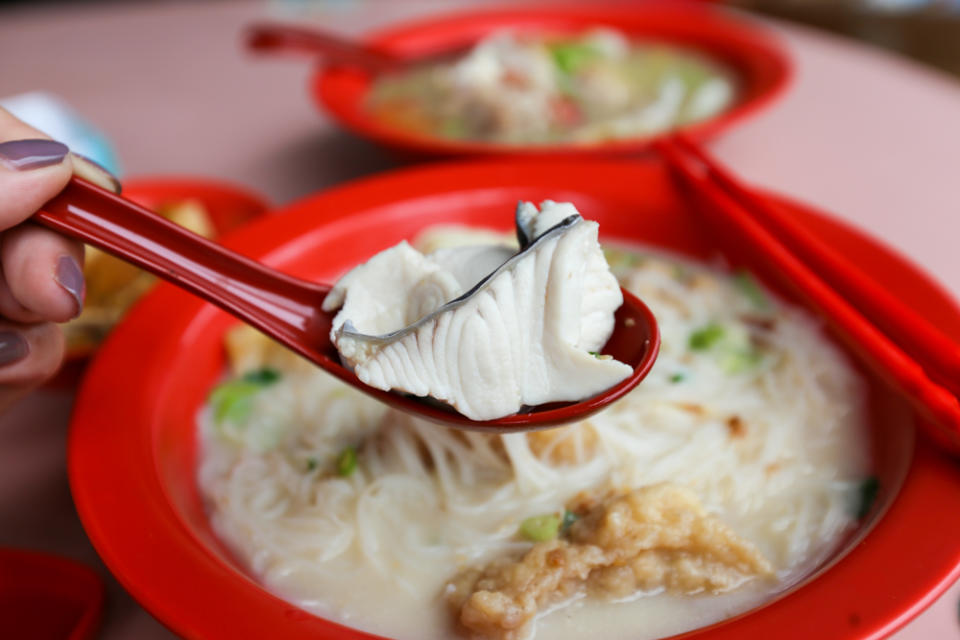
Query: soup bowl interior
[[761, 65], [133, 442]]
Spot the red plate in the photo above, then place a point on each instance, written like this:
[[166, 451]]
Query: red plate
[[47, 597], [759, 60], [132, 451]]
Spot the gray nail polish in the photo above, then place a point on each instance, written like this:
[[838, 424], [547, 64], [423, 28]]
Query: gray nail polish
[[32, 154], [13, 347], [69, 276]]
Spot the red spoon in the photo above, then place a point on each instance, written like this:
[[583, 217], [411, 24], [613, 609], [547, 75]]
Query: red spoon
[[272, 38], [288, 309]]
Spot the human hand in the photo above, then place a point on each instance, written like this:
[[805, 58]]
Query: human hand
[[41, 272]]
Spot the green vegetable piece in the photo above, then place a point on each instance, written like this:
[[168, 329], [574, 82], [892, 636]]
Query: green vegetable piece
[[347, 462], [311, 464], [233, 400], [595, 354], [740, 359], [678, 377], [454, 128], [867, 495], [540, 528], [619, 258], [264, 377], [569, 517], [751, 288], [571, 56], [705, 337]]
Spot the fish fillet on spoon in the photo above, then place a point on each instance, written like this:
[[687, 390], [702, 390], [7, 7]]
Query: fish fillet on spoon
[[483, 329]]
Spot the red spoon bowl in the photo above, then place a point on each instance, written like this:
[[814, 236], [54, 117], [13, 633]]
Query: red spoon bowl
[[132, 450], [761, 63]]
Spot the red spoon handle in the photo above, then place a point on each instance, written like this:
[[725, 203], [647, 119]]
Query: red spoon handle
[[267, 299], [333, 49]]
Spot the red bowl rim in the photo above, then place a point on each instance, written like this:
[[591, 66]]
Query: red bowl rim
[[54, 579], [122, 512], [746, 38], [158, 187]]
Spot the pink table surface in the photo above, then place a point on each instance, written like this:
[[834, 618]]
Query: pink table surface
[[861, 133]]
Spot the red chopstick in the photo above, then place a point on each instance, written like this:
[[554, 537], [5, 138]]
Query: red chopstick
[[939, 355], [876, 326]]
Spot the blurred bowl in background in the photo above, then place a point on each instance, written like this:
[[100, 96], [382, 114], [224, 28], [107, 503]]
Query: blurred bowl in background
[[760, 64]]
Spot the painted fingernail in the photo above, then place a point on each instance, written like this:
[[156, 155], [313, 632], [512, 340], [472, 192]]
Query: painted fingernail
[[94, 172], [70, 277], [23, 155], [13, 347]]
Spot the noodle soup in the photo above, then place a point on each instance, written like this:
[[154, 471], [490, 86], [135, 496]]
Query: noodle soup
[[520, 89], [730, 473]]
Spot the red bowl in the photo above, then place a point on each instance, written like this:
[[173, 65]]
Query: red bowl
[[229, 206], [760, 61], [132, 448], [48, 597]]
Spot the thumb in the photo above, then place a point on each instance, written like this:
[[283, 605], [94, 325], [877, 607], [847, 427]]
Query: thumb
[[33, 169]]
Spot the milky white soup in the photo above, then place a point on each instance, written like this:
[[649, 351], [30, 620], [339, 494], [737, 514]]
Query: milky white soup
[[731, 472]]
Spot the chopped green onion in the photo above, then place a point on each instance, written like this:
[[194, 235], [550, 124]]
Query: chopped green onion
[[311, 464], [705, 337], [571, 56], [540, 528], [264, 377], [619, 257], [347, 462], [731, 346], [454, 128], [233, 400], [681, 272], [866, 496], [678, 377], [740, 359], [751, 288], [569, 517], [595, 354]]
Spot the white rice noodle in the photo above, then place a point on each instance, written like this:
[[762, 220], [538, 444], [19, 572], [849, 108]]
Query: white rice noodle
[[426, 501]]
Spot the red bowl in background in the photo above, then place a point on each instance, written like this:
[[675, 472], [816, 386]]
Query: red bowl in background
[[760, 61], [132, 448], [229, 206]]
